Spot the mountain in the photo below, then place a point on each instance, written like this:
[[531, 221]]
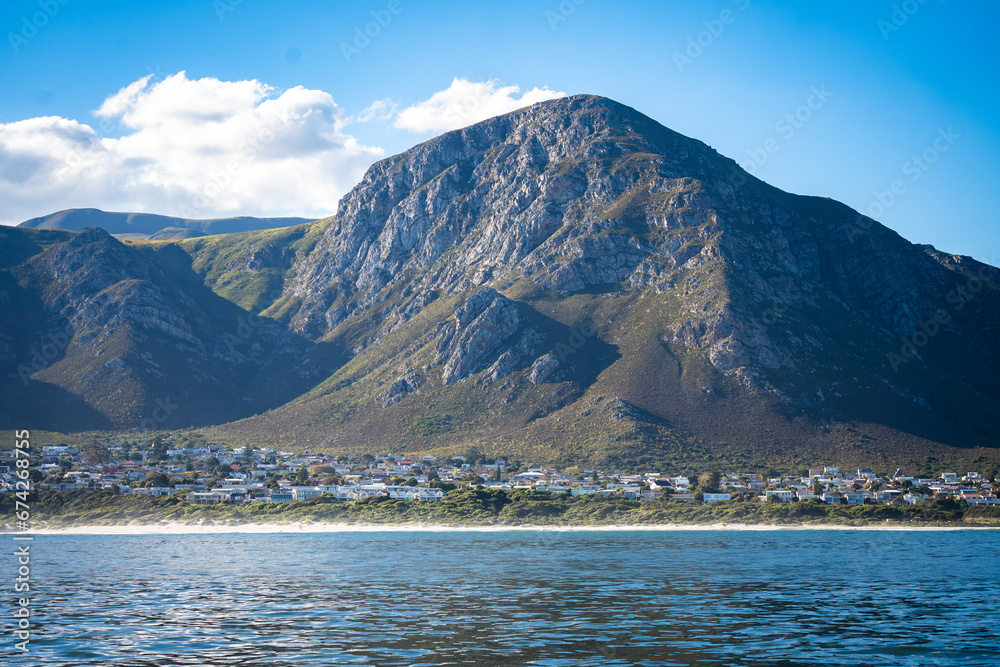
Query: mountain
[[102, 335], [570, 282], [151, 226]]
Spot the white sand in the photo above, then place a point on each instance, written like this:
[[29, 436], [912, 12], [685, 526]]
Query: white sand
[[166, 528]]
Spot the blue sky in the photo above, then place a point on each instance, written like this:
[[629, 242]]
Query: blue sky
[[896, 80]]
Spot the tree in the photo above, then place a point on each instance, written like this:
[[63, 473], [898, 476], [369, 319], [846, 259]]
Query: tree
[[248, 453], [301, 476], [95, 455], [947, 502], [158, 452], [711, 483], [157, 479]]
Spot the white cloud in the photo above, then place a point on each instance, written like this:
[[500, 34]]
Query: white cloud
[[194, 148], [383, 109], [205, 148], [466, 102]]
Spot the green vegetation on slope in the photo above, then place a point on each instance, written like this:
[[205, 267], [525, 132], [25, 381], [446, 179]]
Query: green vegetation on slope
[[250, 268]]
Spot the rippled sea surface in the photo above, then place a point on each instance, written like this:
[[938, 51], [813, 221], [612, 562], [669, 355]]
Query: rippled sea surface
[[517, 598]]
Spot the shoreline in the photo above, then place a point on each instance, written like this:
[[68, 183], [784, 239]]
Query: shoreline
[[175, 528]]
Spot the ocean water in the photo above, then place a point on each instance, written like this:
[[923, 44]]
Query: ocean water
[[515, 598]]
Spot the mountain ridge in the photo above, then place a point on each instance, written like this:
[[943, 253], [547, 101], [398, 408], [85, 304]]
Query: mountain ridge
[[153, 226]]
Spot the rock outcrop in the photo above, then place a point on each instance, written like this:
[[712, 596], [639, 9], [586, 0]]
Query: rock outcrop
[[475, 337]]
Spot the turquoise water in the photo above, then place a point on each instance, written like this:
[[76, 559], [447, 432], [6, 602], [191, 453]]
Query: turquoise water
[[517, 598]]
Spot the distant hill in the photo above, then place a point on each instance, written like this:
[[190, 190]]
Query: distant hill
[[138, 226]]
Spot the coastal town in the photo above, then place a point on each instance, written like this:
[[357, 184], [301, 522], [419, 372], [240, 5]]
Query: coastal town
[[211, 474]]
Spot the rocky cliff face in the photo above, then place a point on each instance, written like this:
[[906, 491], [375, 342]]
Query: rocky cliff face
[[582, 193], [508, 284], [554, 192], [98, 285]]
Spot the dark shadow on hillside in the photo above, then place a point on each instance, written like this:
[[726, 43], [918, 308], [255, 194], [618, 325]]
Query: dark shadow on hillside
[[48, 407], [581, 353], [17, 245], [273, 365], [237, 364]]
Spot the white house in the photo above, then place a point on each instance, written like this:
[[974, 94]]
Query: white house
[[156, 491], [857, 497], [306, 492], [281, 496], [983, 500], [210, 498]]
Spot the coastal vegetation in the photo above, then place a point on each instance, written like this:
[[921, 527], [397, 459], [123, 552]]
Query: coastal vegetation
[[484, 507]]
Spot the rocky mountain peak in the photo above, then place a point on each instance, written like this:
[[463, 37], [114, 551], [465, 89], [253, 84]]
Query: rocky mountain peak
[[544, 191], [494, 283]]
